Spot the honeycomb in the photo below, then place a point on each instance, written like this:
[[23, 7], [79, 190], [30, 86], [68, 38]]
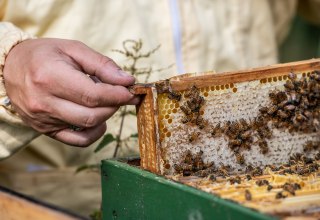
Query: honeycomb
[[225, 102], [268, 193]]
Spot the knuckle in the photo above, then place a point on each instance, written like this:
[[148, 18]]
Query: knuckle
[[35, 106], [106, 61], [90, 99], [91, 120], [39, 77]]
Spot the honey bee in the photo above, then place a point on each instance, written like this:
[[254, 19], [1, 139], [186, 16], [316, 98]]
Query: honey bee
[[198, 163], [223, 171], [265, 132], [263, 146], [225, 127], [210, 165], [289, 107], [280, 195], [248, 177], [199, 100], [185, 110], [262, 182], [246, 135], [257, 171], [247, 195], [235, 127], [192, 92], [200, 122], [303, 171], [174, 96], [273, 95], [186, 119], [269, 187], [274, 168], [308, 146], [299, 117], [317, 157], [163, 86], [244, 123], [217, 130], [282, 114], [193, 136], [249, 168], [177, 168], [186, 172], [288, 171], [294, 97], [201, 173], [246, 145], [258, 122], [212, 177], [316, 124], [192, 105], [313, 167], [188, 158], [263, 110], [281, 96], [292, 76], [235, 142], [272, 109], [289, 188], [234, 180], [289, 85], [296, 186], [304, 102], [314, 75], [240, 158]]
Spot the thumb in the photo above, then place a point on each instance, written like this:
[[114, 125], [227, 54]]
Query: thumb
[[97, 65]]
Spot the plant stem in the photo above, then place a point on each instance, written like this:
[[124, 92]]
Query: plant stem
[[123, 115]]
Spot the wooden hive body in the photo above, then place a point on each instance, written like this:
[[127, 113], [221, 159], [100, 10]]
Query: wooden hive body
[[231, 96]]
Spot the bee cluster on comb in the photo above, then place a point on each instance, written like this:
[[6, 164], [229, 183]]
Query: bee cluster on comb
[[296, 108]]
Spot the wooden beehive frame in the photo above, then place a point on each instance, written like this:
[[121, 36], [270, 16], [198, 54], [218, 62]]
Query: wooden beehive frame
[[147, 111]]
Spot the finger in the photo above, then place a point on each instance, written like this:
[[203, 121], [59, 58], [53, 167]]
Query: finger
[[41, 122], [81, 138], [81, 116], [83, 90], [95, 64]]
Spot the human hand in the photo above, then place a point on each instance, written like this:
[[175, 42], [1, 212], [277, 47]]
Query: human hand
[[48, 85]]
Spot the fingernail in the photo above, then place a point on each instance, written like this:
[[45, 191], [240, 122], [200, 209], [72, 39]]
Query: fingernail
[[124, 74]]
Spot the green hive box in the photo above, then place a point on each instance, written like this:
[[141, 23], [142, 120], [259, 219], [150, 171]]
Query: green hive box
[[129, 192]]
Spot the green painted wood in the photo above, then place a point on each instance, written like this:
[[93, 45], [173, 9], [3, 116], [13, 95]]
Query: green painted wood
[[131, 193]]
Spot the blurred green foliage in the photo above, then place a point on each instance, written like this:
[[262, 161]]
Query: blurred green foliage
[[302, 42]]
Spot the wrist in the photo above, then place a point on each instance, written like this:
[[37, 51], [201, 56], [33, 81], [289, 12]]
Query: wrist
[[10, 36]]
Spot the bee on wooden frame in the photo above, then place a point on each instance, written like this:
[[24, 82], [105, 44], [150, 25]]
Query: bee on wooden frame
[[193, 92], [247, 195], [174, 96]]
